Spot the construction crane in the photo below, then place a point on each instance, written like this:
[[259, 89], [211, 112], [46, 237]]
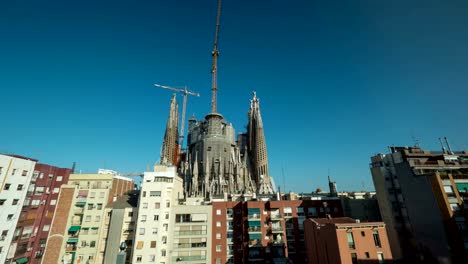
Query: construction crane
[[214, 68], [185, 92]]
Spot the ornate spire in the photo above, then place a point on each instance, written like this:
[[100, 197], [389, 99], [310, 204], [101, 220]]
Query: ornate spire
[[170, 146]]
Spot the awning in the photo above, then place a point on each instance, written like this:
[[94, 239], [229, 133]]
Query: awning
[[80, 203], [254, 223], [74, 229], [21, 260], [255, 236], [253, 210], [72, 240]]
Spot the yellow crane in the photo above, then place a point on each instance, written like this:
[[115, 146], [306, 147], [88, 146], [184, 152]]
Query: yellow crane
[[185, 92]]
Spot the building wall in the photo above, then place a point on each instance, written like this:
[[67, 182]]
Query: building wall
[[15, 177], [36, 217], [159, 192]]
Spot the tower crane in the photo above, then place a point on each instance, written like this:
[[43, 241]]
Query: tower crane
[[185, 92]]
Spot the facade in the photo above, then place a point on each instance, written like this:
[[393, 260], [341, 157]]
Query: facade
[[361, 205], [191, 231], [345, 240], [38, 209], [15, 176], [265, 231], [119, 227], [159, 192], [78, 220], [421, 198]]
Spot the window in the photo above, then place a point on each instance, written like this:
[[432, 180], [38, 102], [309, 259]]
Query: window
[[145, 205], [94, 231], [164, 239], [53, 202], [155, 194], [13, 172], [10, 217], [88, 218], [59, 178], [218, 261], [46, 228], [83, 243], [165, 226], [144, 194], [141, 231], [84, 231], [218, 212], [300, 211], [90, 206], [35, 202], [153, 244], [157, 205], [218, 235], [376, 239], [15, 201], [98, 218], [166, 216], [92, 194], [130, 214], [218, 223], [102, 194], [152, 258], [25, 173], [168, 204], [163, 253], [7, 187], [20, 187], [350, 240], [154, 230], [56, 190], [139, 245], [143, 218], [218, 248], [156, 218], [287, 211], [139, 258], [51, 176], [41, 176], [2, 201], [363, 233], [354, 258], [99, 206], [92, 244]]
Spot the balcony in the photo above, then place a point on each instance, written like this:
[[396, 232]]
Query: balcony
[[78, 211], [253, 217], [276, 228], [188, 258], [70, 248], [190, 233], [275, 215], [255, 229]]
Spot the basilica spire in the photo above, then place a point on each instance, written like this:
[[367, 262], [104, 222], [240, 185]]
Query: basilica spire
[[170, 147]]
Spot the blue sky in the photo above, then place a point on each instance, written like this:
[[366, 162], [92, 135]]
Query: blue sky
[[338, 81]]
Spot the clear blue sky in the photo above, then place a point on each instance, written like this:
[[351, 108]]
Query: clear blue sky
[[338, 82]]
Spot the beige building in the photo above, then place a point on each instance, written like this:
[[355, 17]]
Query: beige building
[[78, 220]]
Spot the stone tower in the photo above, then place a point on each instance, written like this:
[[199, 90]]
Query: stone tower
[[257, 148], [170, 148]]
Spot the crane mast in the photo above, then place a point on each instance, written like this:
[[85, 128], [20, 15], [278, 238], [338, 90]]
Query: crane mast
[[214, 68], [184, 92]]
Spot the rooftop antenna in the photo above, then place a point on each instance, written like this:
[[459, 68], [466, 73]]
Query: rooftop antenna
[[442, 145], [448, 146], [214, 68]]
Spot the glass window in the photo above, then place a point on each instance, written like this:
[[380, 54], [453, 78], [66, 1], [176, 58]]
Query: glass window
[[155, 194], [59, 178], [218, 212], [376, 239], [350, 240]]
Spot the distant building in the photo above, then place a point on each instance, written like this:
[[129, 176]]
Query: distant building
[[345, 240], [120, 219], [361, 205], [34, 224], [79, 218], [15, 176], [421, 196], [265, 231]]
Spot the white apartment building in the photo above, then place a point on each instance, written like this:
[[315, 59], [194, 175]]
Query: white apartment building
[[15, 177], [160, 191]]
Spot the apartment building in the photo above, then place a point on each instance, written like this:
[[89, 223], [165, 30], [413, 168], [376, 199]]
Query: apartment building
[[346, 240], [15, 176], [265, 231], [422, 199], [160, 191], [120, 219], [78, 219], [33, 227], [192, 233]]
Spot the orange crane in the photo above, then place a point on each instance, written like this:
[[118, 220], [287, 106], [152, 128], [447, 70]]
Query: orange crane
[[185, 92]]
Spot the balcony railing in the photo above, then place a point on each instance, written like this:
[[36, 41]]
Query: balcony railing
[[277, 229], [254, 217], [78, 210], [190, 232], [255, 229], [275, 216], [188, 258]]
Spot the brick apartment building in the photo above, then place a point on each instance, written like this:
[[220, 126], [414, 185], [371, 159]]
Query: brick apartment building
[[37, 212], [265, 231], [345, 240]]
